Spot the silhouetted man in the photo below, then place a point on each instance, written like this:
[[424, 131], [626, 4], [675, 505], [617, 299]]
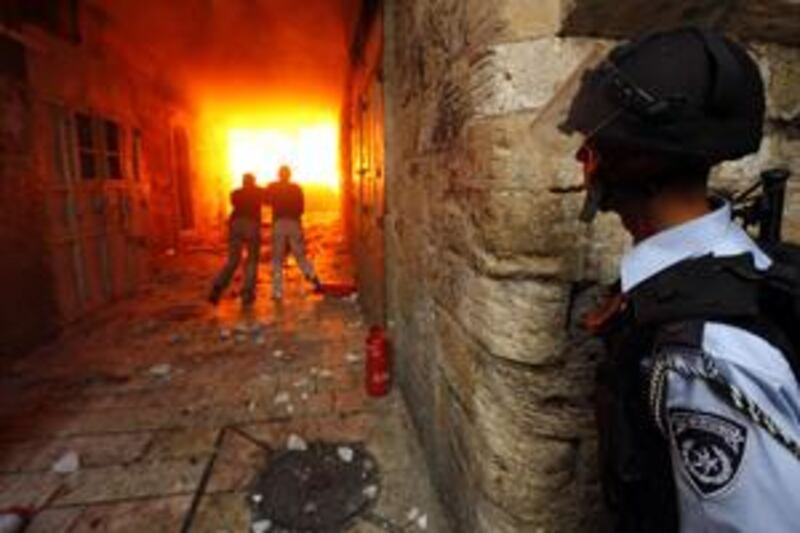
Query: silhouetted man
[[244, 230], [288, 205]]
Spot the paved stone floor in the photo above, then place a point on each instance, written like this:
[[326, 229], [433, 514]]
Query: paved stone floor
[[172, 406]]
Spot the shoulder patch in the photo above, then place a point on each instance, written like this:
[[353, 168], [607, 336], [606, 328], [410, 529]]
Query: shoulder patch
[[710, 448]]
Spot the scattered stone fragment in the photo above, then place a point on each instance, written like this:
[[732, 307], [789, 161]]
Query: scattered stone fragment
[[277, 354], [413, 514], [13, 522], [67, 463], [296, 443], [314, 371], [352, 358], [261, 526], [281, 398], [301, 383], [304, 396], [345, 453], [177, 338], [422, 522], [290, 409], [325, 374], [257, 498], [252, 406], [160, 370], [310, 508], [370, 491]]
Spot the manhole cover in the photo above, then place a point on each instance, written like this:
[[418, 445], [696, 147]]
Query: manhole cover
[[320, 489]]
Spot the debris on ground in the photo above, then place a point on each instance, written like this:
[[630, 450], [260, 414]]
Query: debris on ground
[[345, 453], [295, 442], [262, 526], [14, 520], [281, 398], [352, 358], [256, 498], [413, 514], [301, 383], [277, 354], [370, 491], [68, 463], [325, 374], [422, 522], [160, 370]]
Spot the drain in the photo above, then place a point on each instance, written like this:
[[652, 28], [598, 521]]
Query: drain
[[320, 489]]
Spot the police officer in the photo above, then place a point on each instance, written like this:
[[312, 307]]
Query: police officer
[[701, 435], [244, 231]]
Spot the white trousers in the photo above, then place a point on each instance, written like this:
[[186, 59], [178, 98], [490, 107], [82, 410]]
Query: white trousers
[[283, 231]]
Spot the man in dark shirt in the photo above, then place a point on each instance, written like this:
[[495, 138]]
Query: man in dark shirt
[[244, 229], [286, 199]]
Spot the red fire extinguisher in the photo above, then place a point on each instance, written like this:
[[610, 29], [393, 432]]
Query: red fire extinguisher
[[377, 362]]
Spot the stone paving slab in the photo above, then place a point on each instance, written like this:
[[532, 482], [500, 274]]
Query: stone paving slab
[[143, 393]]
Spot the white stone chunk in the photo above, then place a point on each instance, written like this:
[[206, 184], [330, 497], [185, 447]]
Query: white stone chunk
[[370, 491], [345, 453], [281, 398], [67, 463], [422, 522], [262, 526], [296, 443], [161, 370]]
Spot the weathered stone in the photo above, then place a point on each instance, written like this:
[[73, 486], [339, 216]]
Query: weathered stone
[[526, 74]]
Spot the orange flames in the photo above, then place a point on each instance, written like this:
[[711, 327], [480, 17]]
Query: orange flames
[[311, 150]]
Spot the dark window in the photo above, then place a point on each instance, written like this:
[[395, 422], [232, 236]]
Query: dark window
[[137, 155], [59, 17], [87, 148], [112, 150]]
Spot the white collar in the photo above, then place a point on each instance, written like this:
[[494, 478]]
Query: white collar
[[698, 237]]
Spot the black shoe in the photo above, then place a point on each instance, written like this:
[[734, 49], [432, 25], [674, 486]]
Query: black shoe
[[214, 296], [318, 289]]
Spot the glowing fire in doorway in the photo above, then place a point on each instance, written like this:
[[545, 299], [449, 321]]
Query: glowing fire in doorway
[[312, 151]]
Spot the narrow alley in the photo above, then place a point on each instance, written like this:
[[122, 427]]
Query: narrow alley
[[172, 408], [399, 266]]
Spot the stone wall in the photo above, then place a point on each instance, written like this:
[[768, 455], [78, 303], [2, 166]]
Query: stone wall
[[488, 270]]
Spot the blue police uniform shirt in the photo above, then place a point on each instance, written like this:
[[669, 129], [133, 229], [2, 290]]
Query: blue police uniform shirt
[[730, 474]]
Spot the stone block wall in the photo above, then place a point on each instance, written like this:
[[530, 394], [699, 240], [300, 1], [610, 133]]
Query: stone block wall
[[488, 270]]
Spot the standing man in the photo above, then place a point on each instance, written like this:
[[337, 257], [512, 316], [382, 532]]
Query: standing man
[[288, 205], [244, 231], [698, 405]]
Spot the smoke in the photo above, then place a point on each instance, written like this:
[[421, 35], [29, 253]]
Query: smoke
[[241, 51]]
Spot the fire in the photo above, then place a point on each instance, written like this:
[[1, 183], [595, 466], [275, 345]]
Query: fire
[[312, 151]]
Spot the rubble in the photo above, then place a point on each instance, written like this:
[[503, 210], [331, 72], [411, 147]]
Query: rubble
[[68, 463], [261, 526], [345, 453], [160, 370], [296, 443], [281, 398]]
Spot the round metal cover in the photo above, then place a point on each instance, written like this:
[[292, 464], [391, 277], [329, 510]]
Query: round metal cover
[[320, 489]]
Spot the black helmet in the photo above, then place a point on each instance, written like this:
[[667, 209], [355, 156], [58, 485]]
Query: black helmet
[[688, 92]]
